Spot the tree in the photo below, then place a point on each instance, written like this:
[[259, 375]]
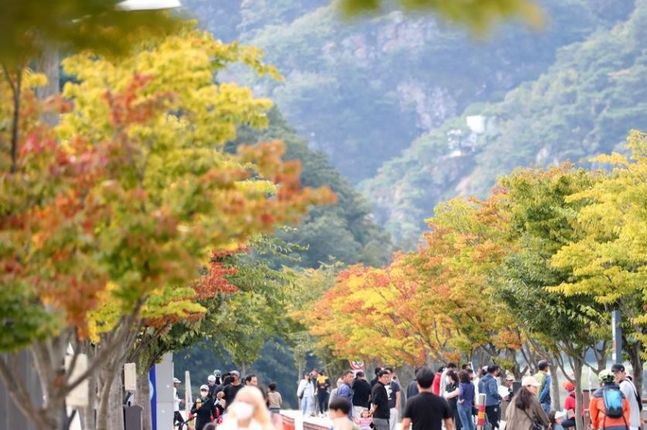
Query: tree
[[124, 198], [476, 14], [27, 28], [608, 263], [541, 222]]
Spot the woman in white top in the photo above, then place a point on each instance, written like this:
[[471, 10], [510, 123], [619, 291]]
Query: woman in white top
[[248, 412]]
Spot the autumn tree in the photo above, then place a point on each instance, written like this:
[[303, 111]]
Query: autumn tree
[[608, 261], [106, 216], [541, 222], [477, 15]]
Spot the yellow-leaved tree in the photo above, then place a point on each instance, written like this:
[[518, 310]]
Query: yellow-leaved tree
[[107, 219], [609, 263]]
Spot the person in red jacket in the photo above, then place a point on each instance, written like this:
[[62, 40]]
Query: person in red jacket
[[569, 405], [599, 418], [435, 387]]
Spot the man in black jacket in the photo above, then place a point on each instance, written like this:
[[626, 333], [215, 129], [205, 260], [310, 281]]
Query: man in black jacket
[[361, 394], [380, 409], [204, 408]]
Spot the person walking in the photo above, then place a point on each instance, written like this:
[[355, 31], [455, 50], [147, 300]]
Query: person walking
[[211, 383], [306, 392], [323, 391], [412, 388], [204, 408], [232, 389], [569, 406], [340, 409], [344, 390], [489, 386], [608, 408], [466, 400], [451, 367], [427, 411], [438, 380], [395, 395], [361, 394], [545, 383], [452, 392], [275, 401], [525, 411], [248, 411], [631, 394], [380, 401], [178, 420]]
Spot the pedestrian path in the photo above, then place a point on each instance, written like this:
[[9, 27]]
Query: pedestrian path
[[315, 423], [309, 423]]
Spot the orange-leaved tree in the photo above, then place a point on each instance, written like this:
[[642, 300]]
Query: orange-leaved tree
[[109, 214]]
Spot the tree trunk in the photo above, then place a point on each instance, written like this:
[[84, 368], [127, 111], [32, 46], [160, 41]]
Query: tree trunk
[[578, 365], [142, 398], [633, 351], [554, 389], [49, 65], [115, 405]]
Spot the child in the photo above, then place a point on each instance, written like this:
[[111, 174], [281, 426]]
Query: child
[[364, 421], [274, 403], [339, 409]]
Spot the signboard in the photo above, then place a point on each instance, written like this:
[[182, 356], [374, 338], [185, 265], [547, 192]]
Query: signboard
[[357, 365]]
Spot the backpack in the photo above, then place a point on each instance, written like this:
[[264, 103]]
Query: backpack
[[613, 398]]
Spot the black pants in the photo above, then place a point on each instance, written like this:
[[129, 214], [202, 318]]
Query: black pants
[[322, 399], [569, 423], [493, 414], [177, 419]]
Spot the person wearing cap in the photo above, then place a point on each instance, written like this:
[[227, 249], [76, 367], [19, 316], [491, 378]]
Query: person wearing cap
[[204, 408], [569, 405], [631, 394], [178, 420], [557, 420], [508, 383], [525, 410], [211, 383], [232, 388], [599, 420]]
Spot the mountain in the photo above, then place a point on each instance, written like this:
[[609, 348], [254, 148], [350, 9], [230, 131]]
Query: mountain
[[362, 91], [343, 232], [584, 104]]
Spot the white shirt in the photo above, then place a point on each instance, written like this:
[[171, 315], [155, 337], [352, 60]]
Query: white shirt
[[629, 390], [306, 388], [176, 401]]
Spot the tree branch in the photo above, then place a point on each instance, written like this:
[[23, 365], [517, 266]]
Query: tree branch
[[19, 395], [116, 338], [16, 88]]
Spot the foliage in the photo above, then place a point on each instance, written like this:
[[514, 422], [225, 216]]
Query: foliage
[[583, 104], [27, 28], [343, 232], [362, 91], [608, 263], [113, 211], [477, 15], [425, 304]]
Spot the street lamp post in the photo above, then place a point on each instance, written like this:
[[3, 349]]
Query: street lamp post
[[617, 336]]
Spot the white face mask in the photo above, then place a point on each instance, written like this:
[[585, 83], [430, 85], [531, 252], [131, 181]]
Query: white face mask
[[243, 410]]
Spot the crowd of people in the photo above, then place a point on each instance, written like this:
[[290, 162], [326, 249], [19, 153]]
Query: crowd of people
[[447, 399], [228, 402]]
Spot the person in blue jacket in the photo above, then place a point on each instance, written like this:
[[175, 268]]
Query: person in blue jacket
[[489, 386]]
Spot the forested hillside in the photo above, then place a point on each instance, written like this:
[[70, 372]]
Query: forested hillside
[[583, 105], [386, 98], [361, 91]]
